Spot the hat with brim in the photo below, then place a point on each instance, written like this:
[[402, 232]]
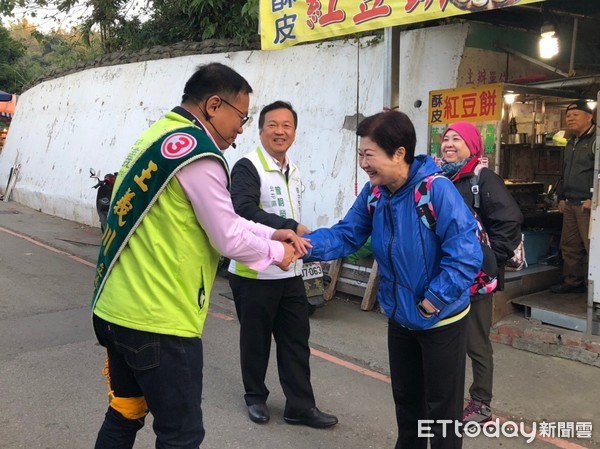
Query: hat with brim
[[580, 105]]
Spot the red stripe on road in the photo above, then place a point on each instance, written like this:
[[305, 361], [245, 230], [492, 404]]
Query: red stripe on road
[[83, 261], [350, 366], [557, 442], [328, 357], [48, 247], [220, 316]]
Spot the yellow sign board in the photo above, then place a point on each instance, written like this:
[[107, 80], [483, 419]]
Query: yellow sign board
[[284, 23], [466, 104]]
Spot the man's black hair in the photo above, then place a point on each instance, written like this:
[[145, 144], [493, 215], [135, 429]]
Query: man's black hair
[[272, 107], [215, 79]]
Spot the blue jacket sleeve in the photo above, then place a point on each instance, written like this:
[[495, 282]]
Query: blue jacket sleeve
[[345, 237], [461, 254]]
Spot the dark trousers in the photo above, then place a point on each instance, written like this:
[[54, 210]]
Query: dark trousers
[[575, 244], [479, 348], [428, 381], [274, 307], [165, 370]]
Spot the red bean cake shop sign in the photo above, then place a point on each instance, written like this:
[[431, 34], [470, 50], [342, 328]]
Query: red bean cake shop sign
[[284, 23]]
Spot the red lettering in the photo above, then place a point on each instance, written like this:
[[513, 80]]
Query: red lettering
[[332, 15], [469, 102], [412, 4], [450, 110], [313, 12], [481, 77], [487, 103], [366, 14]]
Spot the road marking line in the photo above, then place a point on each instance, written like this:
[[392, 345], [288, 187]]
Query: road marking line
[[48, 247], [351, 366], [221, 316], [562, 444]]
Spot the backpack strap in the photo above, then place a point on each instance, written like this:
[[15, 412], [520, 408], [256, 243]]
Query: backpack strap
[[372, 199], [474, 180], [487, 278], [423, 202]]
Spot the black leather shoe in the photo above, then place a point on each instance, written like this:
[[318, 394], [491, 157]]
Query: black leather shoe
[[258, 413], [567, 288], [313, 417]]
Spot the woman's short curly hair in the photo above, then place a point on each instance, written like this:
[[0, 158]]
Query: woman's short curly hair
[[390, 130]]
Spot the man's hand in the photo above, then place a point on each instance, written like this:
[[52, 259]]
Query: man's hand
[[586, 205], [301, 230], [289, 257], [300, 244], [561, 206]]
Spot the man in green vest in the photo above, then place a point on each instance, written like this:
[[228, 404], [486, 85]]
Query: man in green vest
[[170, 218]]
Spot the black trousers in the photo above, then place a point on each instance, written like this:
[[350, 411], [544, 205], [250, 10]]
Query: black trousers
[[428, 382], [479, 348], [274, 307]]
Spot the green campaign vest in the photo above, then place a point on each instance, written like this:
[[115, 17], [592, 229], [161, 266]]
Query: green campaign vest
[[143, 177]]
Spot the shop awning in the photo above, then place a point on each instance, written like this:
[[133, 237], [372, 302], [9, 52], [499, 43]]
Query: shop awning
[[286, 23]]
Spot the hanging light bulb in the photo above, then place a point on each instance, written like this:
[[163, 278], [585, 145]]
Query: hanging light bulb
[[548, 41]]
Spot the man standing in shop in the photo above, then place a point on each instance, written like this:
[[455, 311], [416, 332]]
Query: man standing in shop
[[266, 188], [575, 197]]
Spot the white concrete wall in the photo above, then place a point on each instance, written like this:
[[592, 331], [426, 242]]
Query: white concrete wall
[[429, 60], [89, 119]]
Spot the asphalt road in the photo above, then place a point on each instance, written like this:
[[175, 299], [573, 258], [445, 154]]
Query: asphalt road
[[52, 394]]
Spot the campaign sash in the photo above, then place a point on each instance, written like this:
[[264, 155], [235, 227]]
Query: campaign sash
[[141, 186]]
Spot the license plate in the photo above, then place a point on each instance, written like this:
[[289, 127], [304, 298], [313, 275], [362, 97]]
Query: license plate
[[312, 270]]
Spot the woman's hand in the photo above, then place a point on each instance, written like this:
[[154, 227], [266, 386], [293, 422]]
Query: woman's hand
[[426, 309]]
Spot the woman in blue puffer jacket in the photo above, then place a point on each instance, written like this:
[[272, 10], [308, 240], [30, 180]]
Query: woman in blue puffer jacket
[[425, 272]]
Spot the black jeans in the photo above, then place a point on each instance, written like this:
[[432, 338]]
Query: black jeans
[[275, 307], [167, 371], [427, 368]]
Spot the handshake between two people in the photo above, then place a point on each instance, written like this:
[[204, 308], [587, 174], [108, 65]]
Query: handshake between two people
[[295, 247]]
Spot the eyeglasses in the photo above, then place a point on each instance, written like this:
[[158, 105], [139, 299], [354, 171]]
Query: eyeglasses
[[244, 118]]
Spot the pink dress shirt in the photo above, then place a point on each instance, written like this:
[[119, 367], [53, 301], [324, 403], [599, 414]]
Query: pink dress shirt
[[205, 184]]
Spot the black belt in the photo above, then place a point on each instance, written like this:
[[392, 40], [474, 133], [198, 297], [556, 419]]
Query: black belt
[[575, 202]]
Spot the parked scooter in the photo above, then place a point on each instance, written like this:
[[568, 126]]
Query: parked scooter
[[105, 187], [312, 275]]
